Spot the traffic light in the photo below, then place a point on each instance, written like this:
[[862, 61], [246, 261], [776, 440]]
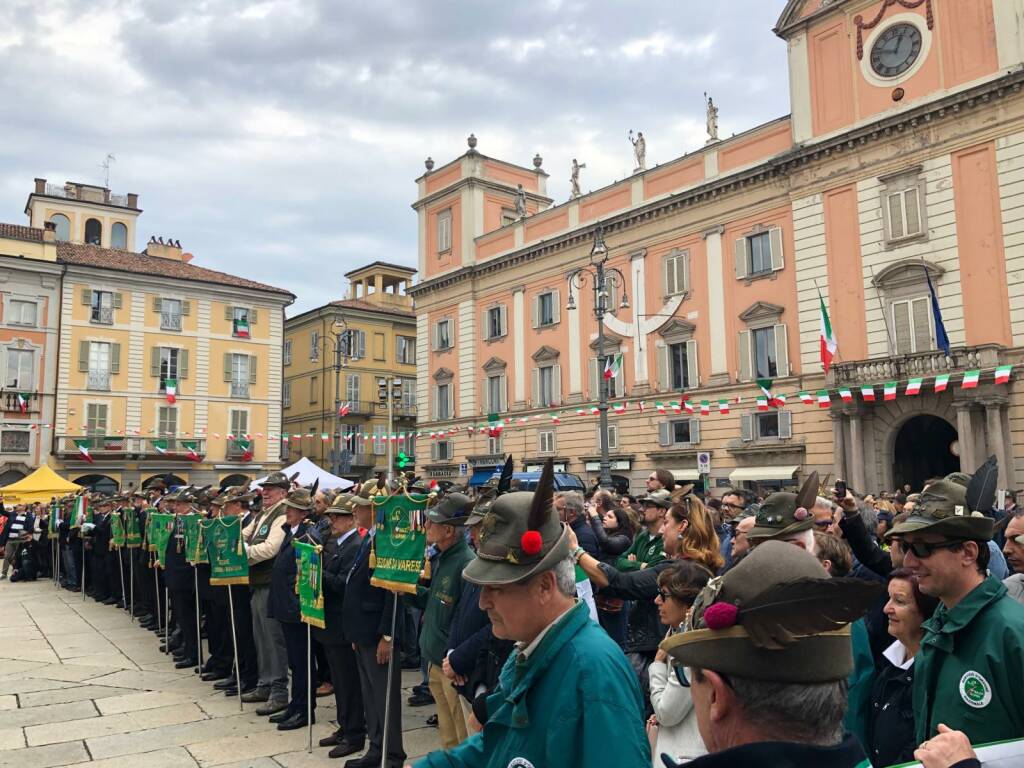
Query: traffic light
[[382, 391], [402, 460]]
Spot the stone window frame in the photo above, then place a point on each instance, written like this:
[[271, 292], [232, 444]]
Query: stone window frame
[[437, 334], [666, 433], [677, 331], [556, 309], [613, 437], [553, 439], [613, 345], [758, 316], [443, 376], [904, 280], [9, 300], [495, 367], [749, 429], [444, 231], [900, 183], [742, 252], [546, 357], [684, 255], [502, 321]]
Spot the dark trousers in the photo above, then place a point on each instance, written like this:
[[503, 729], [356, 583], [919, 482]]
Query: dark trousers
[[373, 679], [113, 565], [348, 695], [218, 634], [323, 668], [248, 666], [300, 659], [183, 604]]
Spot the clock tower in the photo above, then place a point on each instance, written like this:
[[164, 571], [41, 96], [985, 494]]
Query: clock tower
[[852, 61]]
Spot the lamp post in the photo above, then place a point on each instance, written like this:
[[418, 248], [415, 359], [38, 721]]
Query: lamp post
[[339, 332], [602, 278], [389, 392]]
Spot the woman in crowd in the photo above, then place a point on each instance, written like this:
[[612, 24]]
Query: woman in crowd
[[885, 512], [672, 728], [891, 713], [614, 531], [687, 534]]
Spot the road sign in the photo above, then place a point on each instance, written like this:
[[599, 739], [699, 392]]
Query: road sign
[[704, 463], [463, 469]]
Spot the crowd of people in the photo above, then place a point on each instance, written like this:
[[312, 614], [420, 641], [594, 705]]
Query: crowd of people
[[550, 628]]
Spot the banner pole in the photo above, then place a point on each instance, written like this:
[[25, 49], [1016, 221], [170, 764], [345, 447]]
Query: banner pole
[[199, 628], [391, 672], [131, 586], [82, 536], [156, 598], [234, 643], [309, 692], [56, 560], [120, 572], [167, 621]]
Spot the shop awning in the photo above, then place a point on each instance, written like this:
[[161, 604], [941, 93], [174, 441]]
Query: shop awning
[[685, 474], [762, 473], [481, 476]]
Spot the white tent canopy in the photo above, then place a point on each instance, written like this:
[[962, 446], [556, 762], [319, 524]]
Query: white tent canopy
[[308, 472]]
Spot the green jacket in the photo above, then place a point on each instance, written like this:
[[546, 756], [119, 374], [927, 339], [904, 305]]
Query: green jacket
[[439, 600], [969, 671], [575, 703], [648, 549]]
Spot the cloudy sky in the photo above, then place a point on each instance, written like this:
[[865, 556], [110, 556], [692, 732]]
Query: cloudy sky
[[280, 140]]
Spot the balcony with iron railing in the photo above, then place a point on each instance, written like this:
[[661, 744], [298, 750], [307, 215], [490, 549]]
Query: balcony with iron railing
[[113, 447], [919, 364], [364, 407], [102, 315], [86, 194], [98, 381], [236, 449]]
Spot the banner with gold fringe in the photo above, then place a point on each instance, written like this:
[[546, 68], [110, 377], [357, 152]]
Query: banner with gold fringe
[[399, 542], [309, 583], [222, 538]]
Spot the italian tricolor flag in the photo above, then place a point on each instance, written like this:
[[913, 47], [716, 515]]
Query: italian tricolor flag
[[160, 446], [676, 407], [555, 418], [914, 386], [688, 406], [660, 407], [83, 450], [81, 513], [171, 389], [241, 327], [868, 393], [723, 406], [705, 408], [245, 446], [762, 403], [806, 398], [824, 401], [612, 366], [941, 382], [846, 395], [619, 408], [826, 336], [769, 398], [889, 390], [345, 408], [971, 379], [1003, 374], [22, 402], [192, 452]]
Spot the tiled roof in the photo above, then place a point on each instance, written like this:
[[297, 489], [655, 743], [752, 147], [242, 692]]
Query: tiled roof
[[369, 306], [18, 232], [143, 264]]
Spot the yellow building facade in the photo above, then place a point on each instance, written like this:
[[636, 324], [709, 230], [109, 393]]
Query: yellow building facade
[[375, 332], [140, 330]]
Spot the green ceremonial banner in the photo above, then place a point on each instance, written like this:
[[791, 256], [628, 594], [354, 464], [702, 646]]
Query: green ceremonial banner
[[309, 583], [161, 526], [222, 537], [132, 534], [54, 522], [195, 551], [117, 538], [399, 542]]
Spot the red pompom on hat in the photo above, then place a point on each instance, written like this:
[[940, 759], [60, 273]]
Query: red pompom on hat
[[531, 543], [721, 615]]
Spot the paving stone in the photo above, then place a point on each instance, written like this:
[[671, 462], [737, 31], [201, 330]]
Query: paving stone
[[19, 684], [174, 757], [71, 673], [8, 702], [140, 700], [176, 735], [137, 679], [112, 724], [11, 738], [57, 713], [50, 756], [258, 762], [263, 744], [65, 695]]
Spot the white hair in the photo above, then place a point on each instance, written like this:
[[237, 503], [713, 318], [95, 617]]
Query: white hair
[[821, 501], [804, 539], [565, 576]]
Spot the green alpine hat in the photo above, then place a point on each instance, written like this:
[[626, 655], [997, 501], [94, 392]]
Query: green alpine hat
[[452, 509], [277, 480], [521, 536], [943, 509], [783, 514], [778, 617], [660, 498], [239, 493], [342, 505], [300, 498]]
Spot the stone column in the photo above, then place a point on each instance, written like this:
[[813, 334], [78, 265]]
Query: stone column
[[839, 446], [965, 436], [857, 453], [519, 347], [716, 301], [994, 438]]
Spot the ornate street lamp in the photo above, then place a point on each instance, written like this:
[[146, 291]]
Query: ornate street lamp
[[602, 279]]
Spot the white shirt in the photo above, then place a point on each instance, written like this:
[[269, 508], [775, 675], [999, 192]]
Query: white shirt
[[526, 650], [897, 656], [340, 540]]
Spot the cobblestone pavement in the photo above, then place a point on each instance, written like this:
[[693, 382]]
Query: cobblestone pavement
[[79, 683]]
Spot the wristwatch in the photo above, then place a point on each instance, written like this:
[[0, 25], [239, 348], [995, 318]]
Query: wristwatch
[[386, 638]]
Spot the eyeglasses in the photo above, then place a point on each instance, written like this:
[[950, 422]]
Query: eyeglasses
[[665, 594], [731, 506], [923, 549], [824, 523]]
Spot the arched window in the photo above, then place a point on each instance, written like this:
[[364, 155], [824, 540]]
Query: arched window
[[63, 226], [98, 483], [119, 236], [93, 232]]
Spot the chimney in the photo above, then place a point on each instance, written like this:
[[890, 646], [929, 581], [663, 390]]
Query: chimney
[[133, 200], [49, 231], [40, 186], [171, 249]]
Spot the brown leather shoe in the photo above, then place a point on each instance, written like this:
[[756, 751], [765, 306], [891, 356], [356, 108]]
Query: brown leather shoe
[[325, 690]]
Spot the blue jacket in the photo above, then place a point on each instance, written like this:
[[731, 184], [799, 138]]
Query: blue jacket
[[367, 609], [284, 600], [574, 703]]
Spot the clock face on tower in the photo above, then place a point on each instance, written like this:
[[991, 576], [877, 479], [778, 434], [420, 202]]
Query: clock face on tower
[[895, 50]]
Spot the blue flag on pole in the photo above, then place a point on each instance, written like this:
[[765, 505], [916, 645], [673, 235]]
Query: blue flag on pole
[[941, 339]]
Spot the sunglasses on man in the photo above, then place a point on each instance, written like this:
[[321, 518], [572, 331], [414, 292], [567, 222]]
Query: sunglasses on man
[[924, 549]]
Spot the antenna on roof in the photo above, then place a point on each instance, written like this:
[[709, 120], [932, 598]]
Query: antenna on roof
[[105, 165]]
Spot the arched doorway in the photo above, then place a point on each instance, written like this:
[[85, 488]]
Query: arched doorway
[[169, 480], [924, 449], [231, 480], [98, 483], [11, 476]]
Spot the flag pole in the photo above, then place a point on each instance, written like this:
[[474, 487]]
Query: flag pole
[[234, 643], [56, 570], [131, 586], [167, 621], [391, 672], [199, 628], [120, 572], [82, 536], [310, 693], [156, 599]]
